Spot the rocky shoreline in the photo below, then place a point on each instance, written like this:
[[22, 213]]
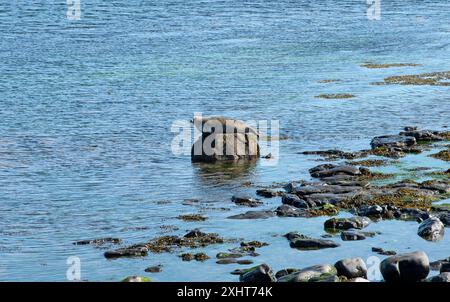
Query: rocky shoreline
[[344, 183]]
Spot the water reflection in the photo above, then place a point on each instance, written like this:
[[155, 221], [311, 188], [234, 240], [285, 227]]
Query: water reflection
[[220, 173]]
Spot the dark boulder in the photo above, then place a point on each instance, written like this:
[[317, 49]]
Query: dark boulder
[[253, 215], [351, 268], [303, 242], [294, 200], [408, 267], [260, 273], [291, 211], [268, 193]]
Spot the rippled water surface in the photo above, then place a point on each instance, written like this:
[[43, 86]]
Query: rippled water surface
[[86, 110]]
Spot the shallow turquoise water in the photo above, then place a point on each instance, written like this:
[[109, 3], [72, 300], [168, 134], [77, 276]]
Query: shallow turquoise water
[[86, 108]]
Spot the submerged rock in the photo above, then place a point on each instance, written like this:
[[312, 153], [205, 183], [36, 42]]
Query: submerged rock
[[408, 267], [381, 251], [328, 170], [99, 241], [431, 229], [351, 268], [254, 215], [302, 242], [260, 273]]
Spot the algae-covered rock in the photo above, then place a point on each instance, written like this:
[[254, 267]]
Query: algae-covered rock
[[136, 279]]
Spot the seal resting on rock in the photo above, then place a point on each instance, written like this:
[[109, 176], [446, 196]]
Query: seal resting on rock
[[206, 125]]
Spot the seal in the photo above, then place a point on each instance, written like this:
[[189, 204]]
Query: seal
[[229, 125]]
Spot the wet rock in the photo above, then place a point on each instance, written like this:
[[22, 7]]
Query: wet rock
[[336, 154], [321, 199], [422, 135], [389, 141], [99, 241], [442, 155], [195, 233], [285, 272], [436, 185], [328, 170], [291, 211], [444, 218], [302, 242], [306, 274], [136, 279], [253, 244], [431, 229], [260, 273], [372, 211], [411, 214], [247, 201], [294, 200], [408, 267], [381, 251], [238, 271], [355, 222], [351, 268], [352, 235], [254, 215], [442, 277], [137, 250], [304, 191], [445, 267], [436, 265], [154, 269], [325, 278], [268, 193], [225, 147], [197, 257]]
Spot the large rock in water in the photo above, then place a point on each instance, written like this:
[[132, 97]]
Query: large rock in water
[[260, 273], [392, 141], [431, 229], [410, 267], [224, 139]]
